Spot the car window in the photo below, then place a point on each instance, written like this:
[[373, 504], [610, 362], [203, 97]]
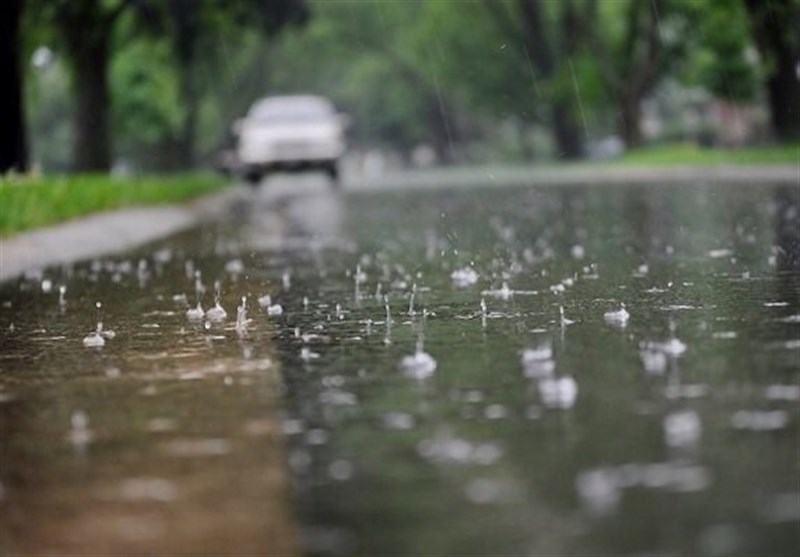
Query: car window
[[299, 110]]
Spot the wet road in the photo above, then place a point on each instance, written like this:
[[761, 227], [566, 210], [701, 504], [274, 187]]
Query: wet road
[[520, 371]]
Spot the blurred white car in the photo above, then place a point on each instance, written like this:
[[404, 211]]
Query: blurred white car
[[292, 133]]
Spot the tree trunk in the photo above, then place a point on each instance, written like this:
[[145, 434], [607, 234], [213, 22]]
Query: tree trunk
[[783, 92], [568, 135], [441, 129], [13, 144], [92, 142], [186, 139], [772, 27], [184, 21], [630, 121]]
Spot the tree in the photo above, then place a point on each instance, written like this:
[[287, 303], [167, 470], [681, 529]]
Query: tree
[[85, 29], [550, 35], [774, 25], [13, 144], [648, 45], [194, 29], [373, 60]]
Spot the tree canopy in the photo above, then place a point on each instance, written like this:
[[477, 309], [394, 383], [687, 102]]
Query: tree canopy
[[157, 83]]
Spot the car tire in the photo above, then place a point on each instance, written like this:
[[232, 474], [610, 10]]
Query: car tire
[[332, 170], [253, 178]]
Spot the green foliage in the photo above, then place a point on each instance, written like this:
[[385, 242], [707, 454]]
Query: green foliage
[[144, 92], [722, 58], [399, 68], [34, 201]]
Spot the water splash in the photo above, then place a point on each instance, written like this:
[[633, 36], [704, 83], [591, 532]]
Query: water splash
[[562, 318], [411, 300], [464, 277], [241, 317], [216, 313], [617, 318], [197, 313], [419, 365], [504, 292], [682, 429], [559, 393], [306, 354], [272, 309], [387, 310], [537, 363], [97, 338], [80, 435]]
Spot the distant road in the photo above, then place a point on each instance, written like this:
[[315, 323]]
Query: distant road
[[579, 174], [116, 231]]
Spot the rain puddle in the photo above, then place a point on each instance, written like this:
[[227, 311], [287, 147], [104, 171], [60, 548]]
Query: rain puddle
[[606, 370]]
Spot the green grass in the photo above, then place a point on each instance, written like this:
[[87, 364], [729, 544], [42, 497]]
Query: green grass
[[691, 154], [28, 202]]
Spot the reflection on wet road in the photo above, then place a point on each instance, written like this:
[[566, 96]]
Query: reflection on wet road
[[523, 371]]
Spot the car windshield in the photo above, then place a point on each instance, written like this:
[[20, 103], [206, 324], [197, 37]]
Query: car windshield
[[290, 110]]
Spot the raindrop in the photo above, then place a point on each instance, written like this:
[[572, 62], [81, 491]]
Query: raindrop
[[306, 354], [241, 317], [485, 491], [783, 392], [617, 318], [216, 313], [682, 429], [197, 312], [537, 363], [419, 365], [398, 421], [272, 309], [340, 470], [411, 301], [316, 436], [756, 420], [464, 277], [504, 293], [97, 339], [563, 319], [599, 491], [234, 267], [80, 434], [558, 393]]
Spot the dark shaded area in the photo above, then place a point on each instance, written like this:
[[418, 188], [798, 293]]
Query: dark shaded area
[[13, 142], [774, 26]]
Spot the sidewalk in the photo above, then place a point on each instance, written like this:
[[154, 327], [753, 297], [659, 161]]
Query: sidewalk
[[105, 233]]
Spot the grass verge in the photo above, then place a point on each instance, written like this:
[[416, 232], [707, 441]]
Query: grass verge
[[28, 202], [692, 154]]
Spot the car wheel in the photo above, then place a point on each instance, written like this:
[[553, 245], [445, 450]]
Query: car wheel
[[253, 178], [332, 170]]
